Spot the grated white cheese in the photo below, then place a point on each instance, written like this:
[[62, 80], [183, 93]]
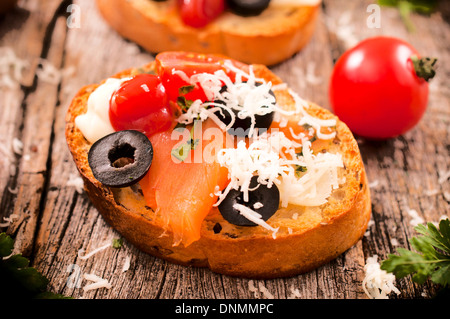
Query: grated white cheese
[[261, 289], [49, 73], [374, 184], [443, 176], [126, 264], [81, 251], [98, 282], [272, 157], [258, 205], [9, 220], [255, 217], [295, 293], [266, 293], [253, 289], [243, 96], [17, 146], [416, 219], [11, 68], [77, 182], [377, 283]]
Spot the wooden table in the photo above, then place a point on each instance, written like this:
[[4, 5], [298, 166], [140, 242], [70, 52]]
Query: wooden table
[[54, 219]]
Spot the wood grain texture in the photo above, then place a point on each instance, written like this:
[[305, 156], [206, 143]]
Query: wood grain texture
[[54, 220]]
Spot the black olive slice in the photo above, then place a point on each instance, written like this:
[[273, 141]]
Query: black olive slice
[[268, 197], [121, 159], [247, 8], [241, 127]]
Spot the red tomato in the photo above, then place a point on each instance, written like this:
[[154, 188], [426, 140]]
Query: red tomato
[[189, 63], [375, 90], [141, 104], [198, 13]]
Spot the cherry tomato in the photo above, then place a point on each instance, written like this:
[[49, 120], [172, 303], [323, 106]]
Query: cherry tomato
[[198, 13], [141, 104], [375, 90], [190, 64]]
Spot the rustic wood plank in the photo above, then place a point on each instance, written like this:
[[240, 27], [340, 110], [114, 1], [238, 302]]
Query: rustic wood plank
[[36, 139]]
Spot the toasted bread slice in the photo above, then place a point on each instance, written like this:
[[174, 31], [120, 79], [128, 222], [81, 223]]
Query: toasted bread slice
[[275, 35], [307, 238]]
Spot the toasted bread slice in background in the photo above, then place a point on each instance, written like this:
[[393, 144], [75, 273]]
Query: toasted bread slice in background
[[269, 38], [307, 238]]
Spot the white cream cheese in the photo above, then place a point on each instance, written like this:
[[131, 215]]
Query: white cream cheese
[[95, 124]]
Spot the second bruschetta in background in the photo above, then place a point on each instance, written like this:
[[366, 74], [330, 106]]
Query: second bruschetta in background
[[269, 36]]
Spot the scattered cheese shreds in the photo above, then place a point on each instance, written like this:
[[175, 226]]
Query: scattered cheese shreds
[[255, 217], [377, 283], [17, 146], [77, 182], [126, 264], [11, 68], [98, 282], [9, 220], [81, 251], [416, 219]]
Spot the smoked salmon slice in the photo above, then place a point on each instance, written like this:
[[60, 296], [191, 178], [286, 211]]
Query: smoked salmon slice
[[182, 192]]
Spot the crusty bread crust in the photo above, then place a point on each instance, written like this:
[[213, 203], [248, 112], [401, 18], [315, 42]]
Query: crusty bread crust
[[315, 237], [272, 37]]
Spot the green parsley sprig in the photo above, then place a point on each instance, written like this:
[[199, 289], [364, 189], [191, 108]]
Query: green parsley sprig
[[406, 7], [19, 280], [432, 259]]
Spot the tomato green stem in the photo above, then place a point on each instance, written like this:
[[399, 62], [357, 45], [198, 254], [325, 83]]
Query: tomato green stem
[[424, 67]]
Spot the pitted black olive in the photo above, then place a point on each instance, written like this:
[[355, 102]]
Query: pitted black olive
[[121, 159], [247, 8], [268, 197], [241, 127]]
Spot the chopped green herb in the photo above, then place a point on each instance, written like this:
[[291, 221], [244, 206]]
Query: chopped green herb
[[300, 169], [183, 103], [432, 259], [186, 89], [117, 243]]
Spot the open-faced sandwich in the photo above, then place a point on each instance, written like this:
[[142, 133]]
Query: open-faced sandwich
[[257, 31], [205, 161]]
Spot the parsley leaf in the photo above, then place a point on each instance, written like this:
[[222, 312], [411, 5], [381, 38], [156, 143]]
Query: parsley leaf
[[432, 259], [186, 89], [17, 278], [406, 7], [184, 104]]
